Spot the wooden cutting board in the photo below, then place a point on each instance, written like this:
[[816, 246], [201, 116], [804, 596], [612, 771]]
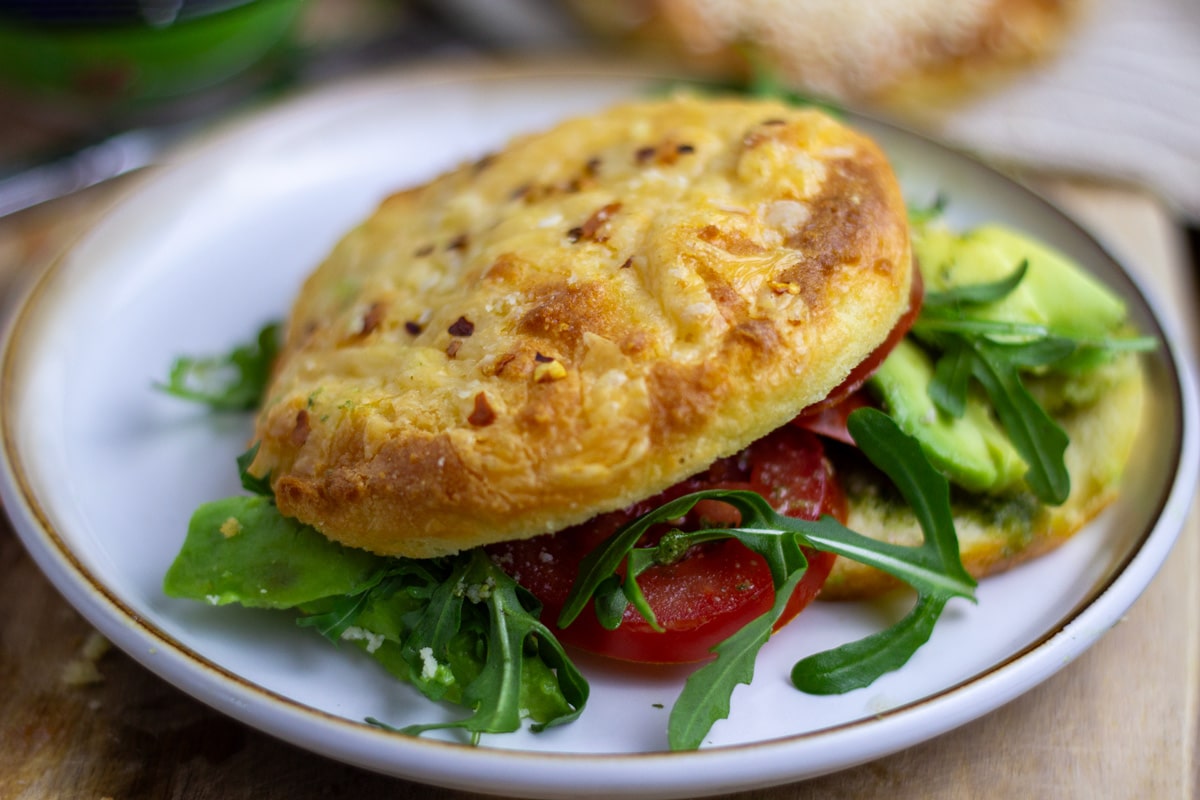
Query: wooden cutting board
[[81, 720]]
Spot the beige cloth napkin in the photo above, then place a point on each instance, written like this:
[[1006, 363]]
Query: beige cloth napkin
[[1122, 101]]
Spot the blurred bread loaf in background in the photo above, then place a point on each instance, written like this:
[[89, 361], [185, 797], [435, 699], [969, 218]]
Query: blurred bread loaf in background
[[1095, 89], [908, 56]]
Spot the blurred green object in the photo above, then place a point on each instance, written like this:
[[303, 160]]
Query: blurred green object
[[150, 53]]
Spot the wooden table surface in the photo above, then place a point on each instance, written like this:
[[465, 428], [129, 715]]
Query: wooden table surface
[[79, 719]]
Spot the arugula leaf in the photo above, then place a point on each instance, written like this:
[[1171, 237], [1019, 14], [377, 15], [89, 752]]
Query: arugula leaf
[[922, 215], [439, 621], [706, 694], [495, 695], [1037, 438], [925, 490], [858, 664], [976, 293], [933, 568], [952, 378], [242, 550], [457, 628], [1038, 352], [611, 602], [251, 483], [342, 614], [993, 352], [600, 566], [933, 326], [1035, 435], [232, 382]]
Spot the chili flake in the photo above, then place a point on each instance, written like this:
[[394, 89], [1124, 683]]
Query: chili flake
[[483, 413], [592, 228], [462, 327]]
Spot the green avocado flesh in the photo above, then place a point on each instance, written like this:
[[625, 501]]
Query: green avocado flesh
[[973, 449], [1055, 292]]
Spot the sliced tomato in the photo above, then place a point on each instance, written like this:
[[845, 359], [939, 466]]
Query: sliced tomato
[[831, 422], [866, 368], [717, 587]]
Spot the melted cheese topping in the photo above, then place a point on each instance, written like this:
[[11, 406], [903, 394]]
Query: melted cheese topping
[[580, 321]]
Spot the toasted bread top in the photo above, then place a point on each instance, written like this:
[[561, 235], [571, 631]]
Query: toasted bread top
[[579, 321]]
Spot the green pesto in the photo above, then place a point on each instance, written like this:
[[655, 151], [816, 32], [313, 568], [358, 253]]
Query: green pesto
[[1011, 515]]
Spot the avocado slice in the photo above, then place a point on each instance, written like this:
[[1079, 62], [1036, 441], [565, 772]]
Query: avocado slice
[[1055, 292], [972, 450]]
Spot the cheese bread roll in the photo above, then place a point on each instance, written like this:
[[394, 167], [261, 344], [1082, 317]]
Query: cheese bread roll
[[579, 321]]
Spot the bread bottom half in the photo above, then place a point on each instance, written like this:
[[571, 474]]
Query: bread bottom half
[[996, 533]]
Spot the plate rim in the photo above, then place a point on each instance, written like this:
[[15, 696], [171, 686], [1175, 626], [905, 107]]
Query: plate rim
[[246, 700]]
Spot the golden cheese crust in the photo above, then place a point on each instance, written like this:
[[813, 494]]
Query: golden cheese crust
[[580, 321], [997, 534]]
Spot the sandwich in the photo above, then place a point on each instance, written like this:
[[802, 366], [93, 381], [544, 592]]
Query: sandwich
[[596, 389]]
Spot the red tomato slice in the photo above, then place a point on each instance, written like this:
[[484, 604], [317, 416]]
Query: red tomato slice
[[718, 587], [866, 368], [831, 422]]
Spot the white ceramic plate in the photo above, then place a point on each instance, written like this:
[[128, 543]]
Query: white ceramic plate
[[102, 472]]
